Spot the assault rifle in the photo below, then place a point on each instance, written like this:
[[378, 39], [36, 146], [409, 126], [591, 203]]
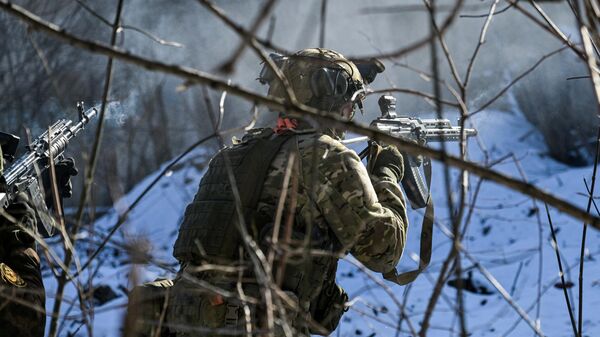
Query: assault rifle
[[420, 131], [416, 187], [23, 174]]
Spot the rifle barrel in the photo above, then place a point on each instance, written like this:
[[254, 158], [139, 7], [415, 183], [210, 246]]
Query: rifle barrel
[[444, 135]]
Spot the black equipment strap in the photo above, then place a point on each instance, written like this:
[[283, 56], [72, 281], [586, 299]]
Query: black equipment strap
[[426, 238], [426, 228], [264, 153]]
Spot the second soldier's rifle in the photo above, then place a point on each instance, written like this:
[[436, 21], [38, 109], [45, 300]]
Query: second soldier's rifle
[[23, 174], [415, 184]]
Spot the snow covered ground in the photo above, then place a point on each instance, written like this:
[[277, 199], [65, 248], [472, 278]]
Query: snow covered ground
[[508, 235]]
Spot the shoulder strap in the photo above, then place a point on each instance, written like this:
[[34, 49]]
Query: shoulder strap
[[263, 154]]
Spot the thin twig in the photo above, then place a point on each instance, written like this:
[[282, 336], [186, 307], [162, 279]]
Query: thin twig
[[495, 283], [454, 249], [540, 241], [548, 286], [280, 204], [561, 272], [550, 23], [453, 70], [389, 291], [252, 41], [486, 15], [480, 42], [289, 222], [229, 65], [323, 23], [124, 214], [596, 82], [418, 44], [555, 33], [517, 79], [136, 29]]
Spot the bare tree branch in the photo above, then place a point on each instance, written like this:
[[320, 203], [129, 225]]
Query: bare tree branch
[[517, 79], [229, 65], [418, 44], [281, 105], [555, 33], [561, 272]]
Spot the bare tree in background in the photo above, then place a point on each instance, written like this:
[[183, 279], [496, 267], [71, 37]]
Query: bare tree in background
[[45, 70]]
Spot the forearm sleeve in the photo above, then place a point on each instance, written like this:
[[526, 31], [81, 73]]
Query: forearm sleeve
[[368, 217]]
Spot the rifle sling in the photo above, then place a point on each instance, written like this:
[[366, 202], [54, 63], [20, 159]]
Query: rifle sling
[[426, 237]]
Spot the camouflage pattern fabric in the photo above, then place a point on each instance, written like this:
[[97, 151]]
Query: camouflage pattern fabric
[[337, 209], [367, 215], [298, 69], [346, 210]]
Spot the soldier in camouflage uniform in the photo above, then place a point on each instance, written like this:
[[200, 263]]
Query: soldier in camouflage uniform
[[22, 295], [333, 206]]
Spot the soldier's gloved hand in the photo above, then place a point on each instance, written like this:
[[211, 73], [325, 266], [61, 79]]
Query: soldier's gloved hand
[[385, 161], [65, 169], [18, 214]]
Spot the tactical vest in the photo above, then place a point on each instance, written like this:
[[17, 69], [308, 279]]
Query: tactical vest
[[209, 228]]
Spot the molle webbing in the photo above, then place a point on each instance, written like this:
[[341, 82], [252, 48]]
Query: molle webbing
[[209, 222]]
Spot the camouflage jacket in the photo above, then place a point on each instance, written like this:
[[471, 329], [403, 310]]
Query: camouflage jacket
[[332, 207], [365, 214]]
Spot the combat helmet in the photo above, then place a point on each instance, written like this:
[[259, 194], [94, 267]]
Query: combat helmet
[[320, 78]]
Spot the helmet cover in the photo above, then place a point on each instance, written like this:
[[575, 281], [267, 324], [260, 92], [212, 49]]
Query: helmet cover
[[320, 78]]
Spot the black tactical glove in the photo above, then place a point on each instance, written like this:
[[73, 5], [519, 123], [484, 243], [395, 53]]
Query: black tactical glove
[[18, 214], [65, 169], [385, 161]]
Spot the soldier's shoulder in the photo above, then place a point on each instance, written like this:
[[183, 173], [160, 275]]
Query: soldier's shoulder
[[322, 142]]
